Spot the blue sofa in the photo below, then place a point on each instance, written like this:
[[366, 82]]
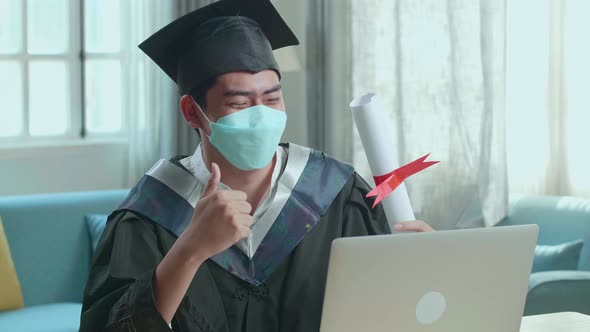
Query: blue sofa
[[51, 250], [560, 220]]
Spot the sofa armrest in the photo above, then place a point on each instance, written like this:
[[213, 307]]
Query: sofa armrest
[[557, 291]]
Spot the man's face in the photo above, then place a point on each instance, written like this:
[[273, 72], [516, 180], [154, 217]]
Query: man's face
[[233, 92]]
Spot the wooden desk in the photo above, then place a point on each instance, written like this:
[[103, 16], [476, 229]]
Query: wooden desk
[[557, 322]]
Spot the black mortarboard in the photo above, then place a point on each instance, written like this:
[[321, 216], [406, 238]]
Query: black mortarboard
[[225, 36]]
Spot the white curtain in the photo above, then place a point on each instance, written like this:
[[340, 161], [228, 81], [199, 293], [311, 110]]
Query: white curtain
[[149, 102], [548, 104], [178, 138], [438, 69], [328, 72]]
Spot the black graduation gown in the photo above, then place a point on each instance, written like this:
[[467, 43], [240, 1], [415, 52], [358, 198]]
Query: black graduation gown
[[119, 292]]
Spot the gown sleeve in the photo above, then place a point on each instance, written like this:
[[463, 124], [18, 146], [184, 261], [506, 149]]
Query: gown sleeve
[[359, 216], [119, 291]]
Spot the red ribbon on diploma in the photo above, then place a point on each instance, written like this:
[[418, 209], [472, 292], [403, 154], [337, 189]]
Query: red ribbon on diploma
[[387, 183]]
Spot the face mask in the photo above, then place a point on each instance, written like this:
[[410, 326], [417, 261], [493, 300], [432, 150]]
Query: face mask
[[248, 139]]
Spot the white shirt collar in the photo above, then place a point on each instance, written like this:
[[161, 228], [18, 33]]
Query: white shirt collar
[[196, 165], [290, 164]]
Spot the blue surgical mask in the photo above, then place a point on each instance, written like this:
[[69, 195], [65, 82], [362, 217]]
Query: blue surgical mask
[[248, 139]]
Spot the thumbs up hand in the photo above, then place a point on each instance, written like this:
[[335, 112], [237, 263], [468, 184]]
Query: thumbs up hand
[[221, 218]]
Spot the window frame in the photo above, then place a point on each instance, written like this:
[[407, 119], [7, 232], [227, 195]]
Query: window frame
[[74, 58], [123, 57]]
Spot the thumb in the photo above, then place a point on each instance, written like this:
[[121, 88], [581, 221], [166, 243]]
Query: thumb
[[211, 186]]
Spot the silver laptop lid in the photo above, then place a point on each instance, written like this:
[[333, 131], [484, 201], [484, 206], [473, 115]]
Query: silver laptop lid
[[448, 281]]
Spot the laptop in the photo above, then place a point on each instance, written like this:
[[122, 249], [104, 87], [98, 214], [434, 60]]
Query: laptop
[[447, 281]]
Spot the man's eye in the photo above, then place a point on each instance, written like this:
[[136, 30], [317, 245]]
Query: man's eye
[[273, 100], [238, 104]]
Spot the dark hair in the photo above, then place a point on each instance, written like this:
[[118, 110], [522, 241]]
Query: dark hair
[[199, 94]]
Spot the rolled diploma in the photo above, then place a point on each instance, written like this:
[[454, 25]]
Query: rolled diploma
[[375, 131]]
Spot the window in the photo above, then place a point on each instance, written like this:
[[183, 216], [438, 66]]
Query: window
[[61, 69]]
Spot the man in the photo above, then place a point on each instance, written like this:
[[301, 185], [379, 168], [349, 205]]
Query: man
[[237, 236]]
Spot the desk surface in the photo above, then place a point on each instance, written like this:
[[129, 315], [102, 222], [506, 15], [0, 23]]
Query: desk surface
[[557, 322]]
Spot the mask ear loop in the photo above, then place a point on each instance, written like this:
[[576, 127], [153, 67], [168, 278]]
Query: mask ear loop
[[205, 115]]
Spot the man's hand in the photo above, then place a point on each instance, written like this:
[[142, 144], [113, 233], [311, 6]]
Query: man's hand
[[413, 226], [221, 218]]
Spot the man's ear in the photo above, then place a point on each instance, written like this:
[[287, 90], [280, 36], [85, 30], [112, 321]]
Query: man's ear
[[191, 113]]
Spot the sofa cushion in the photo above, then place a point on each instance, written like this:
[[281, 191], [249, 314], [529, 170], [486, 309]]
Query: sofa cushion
[[47, 233], [560, 220], [11, 297], [58, 317], [96, 224], [565, 256]]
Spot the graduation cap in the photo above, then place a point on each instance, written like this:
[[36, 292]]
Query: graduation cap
[[225, 36]]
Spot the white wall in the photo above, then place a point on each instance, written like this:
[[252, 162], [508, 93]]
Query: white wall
[[69, 167], [102, 165]]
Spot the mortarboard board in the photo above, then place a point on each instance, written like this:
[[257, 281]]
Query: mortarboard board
[[225, 36]]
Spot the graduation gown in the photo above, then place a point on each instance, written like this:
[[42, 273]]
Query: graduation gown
[[280, 289]]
